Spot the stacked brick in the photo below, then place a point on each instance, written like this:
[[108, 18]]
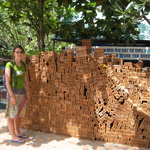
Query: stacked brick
[[127, 110], [87, 44], [81, 96]]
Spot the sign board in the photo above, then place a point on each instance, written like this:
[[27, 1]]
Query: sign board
[[128, 53]]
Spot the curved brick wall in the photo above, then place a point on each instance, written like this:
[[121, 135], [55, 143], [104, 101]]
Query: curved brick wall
[[78, 96]]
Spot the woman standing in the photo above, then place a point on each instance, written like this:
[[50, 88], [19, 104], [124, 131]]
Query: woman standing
[[16, 83]]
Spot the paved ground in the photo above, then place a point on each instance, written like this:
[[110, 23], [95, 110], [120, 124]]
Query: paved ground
[[47, 141]]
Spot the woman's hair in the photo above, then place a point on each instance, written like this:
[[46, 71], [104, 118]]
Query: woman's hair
[[18, 46]]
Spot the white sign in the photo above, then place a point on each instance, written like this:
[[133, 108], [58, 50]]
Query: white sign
[[129, 53]]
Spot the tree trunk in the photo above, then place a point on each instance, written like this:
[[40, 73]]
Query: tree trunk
[[40, 32]]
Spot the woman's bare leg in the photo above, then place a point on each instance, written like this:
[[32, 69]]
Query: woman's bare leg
[[11, 128], [17, 126]]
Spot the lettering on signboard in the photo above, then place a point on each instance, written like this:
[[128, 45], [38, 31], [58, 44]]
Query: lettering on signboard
[[132, 53]]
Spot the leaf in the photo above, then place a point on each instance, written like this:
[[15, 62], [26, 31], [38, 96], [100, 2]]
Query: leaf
[[118, 7], [129, 6]]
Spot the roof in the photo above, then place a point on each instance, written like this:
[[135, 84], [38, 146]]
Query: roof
[[97, 42]]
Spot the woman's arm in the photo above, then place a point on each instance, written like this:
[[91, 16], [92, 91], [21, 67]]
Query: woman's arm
[[9, 88], [25, 82]]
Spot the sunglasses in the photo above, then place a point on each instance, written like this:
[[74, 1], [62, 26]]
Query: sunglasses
[[19, 52]]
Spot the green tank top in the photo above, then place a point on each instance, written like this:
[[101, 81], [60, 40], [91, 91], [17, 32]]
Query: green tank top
[[20, 73]]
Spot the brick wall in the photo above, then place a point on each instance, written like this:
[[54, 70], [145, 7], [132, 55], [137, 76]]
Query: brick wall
[[91, 97]]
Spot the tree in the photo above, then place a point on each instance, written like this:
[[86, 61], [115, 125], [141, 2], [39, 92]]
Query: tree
[[38, 20], [120, 22], [37, 16], [25, 21]]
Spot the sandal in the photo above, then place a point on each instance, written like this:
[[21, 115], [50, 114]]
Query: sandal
[[22, 136], [18, 141]]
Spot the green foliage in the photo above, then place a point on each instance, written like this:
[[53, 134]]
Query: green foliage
[[29, 24], [3, 52], [32, 24], [30, 53], [122, 18]]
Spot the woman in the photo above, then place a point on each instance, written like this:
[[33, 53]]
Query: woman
[[16, 83]]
